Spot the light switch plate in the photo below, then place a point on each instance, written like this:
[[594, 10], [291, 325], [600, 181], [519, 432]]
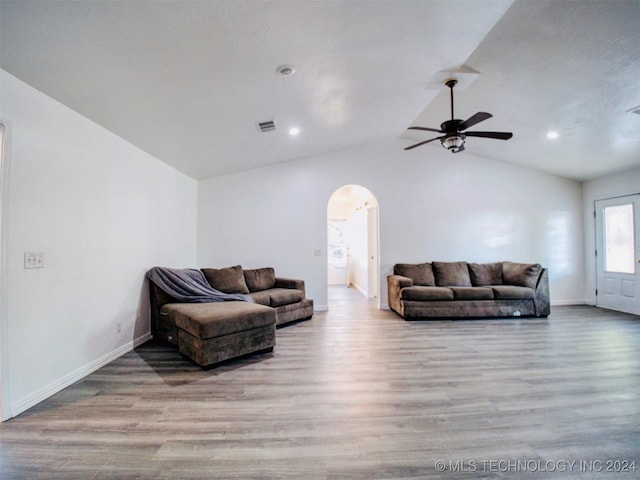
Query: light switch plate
[[33, 260]]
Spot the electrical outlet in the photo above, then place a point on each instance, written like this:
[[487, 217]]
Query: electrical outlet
[[33, 260]]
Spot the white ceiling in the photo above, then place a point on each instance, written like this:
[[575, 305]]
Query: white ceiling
[[187, 81]]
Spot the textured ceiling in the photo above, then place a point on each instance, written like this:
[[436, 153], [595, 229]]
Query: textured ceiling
[[187, 81], [568, 66]]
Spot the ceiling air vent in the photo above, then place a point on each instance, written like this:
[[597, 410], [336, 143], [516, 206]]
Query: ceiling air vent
[[268, 126]]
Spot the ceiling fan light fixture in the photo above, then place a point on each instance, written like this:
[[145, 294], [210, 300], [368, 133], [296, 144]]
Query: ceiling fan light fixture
[[453, 143], [453, 138]]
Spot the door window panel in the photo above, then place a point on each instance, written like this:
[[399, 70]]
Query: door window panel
[[619, 239]]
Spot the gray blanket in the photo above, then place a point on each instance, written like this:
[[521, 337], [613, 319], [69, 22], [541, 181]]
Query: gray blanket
[[190, 286]]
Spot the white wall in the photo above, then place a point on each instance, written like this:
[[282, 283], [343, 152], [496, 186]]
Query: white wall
[[626, 183], [102, 212], [432, 206]]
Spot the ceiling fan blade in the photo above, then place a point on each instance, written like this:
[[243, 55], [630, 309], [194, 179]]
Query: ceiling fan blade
[[426, 129], [473, 119], [422, 143], [496, 135]]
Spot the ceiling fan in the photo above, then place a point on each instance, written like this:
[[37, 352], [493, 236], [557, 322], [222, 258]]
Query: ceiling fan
[[453, 138]]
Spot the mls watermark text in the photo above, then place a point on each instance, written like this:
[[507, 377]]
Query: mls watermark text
[[535, 465]]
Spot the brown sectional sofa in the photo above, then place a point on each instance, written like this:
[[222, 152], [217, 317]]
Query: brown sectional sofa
[[285, 295], [468, 290], [210, 333]]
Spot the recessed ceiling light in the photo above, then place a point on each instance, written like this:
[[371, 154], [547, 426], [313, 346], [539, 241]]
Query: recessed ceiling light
[[552, 135], [286, 70], [294, 131]]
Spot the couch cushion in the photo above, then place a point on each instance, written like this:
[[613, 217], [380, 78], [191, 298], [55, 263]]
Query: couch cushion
[[485, 273], [260, 279], [451, 274], [521, 274], [512, 292], [278, 297], [472, 293], [208, 320], [284, 296], [420, 273], [227, 280], [261, 298], [421, 293]]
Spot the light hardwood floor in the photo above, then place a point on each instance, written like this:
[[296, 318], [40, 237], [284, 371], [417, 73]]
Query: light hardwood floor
[[356, 393]]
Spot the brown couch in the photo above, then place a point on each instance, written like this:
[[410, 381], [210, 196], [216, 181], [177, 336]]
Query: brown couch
[[285, 295], [468, 290], [210, 333]]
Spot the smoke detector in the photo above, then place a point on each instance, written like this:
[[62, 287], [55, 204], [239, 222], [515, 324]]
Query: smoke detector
[[286, 70]]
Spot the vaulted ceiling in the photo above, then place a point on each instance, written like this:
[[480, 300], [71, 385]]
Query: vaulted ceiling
[[187, 81]]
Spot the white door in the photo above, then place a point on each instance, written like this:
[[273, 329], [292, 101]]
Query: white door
[[618, 253]]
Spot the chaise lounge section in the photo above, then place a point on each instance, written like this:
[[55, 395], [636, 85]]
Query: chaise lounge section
[[468, 290], [213, 315], [210, 333]]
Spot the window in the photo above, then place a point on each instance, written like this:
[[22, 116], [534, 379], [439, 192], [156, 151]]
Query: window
[[619, 239], [336, 241]]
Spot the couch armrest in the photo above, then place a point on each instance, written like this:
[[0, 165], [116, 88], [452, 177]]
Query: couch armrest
[[541, 299], [290, 283], [395, 283]]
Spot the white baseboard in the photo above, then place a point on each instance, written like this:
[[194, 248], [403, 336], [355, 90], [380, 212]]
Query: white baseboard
[[320, 308], [565, 303], [54, 387], [140, 340], [360, 289]]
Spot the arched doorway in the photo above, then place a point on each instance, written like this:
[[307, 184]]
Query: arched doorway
[[352, 238]]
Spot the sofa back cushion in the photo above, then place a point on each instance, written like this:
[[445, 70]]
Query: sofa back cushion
[[521, 274], [420, 273], [485, 274], [260, 279], [451, 274], [227, 280]]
